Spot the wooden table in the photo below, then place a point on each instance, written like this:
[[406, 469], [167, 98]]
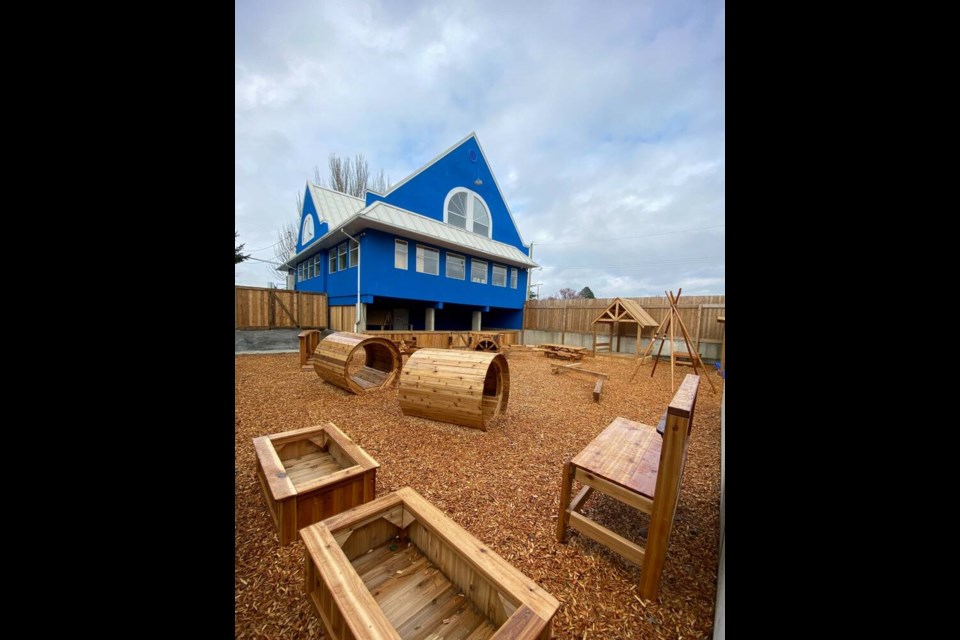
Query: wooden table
[[563, 351]]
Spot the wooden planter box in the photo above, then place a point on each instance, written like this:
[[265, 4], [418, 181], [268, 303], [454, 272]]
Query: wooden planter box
[[399, 568], [311, 474]]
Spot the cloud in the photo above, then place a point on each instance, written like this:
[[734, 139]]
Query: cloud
[[604, 123]]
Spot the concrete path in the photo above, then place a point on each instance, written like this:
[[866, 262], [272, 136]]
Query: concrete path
[[266, 341]]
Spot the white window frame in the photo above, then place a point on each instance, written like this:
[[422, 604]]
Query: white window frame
[[353, 252], [470, 196], [493, 277], [513, 277], [421, 261], [446, 269], [397, 243], [342, 256], [318, 264], [300, 272], [474, 261], [310, 272], [333, 259], [307, 232]]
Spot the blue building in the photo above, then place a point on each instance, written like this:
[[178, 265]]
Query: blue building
[[439, 250]]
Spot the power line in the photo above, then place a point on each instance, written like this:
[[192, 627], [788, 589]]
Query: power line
[[648, 235], [667, 263]]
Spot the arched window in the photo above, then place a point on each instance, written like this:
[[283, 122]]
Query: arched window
[[306, 234], [467, 210]]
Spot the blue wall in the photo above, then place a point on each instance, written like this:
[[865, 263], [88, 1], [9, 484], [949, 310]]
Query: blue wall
[[425, 193], [319, 229], [381, 278]]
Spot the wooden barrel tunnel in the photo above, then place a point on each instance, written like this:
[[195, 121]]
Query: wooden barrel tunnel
[[356, 362], [469, 388]]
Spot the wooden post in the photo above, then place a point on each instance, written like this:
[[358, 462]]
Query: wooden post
[[697, 339], [723, 343], [595, 338], [673, 384], [667, 492], [563, 323], [616, 327], [566, 486]]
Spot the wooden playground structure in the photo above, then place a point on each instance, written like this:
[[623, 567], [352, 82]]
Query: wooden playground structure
[[691, 357], [640, 466]]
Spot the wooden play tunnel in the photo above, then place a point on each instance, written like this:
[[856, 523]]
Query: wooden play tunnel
[[356, 362], [469, 388]]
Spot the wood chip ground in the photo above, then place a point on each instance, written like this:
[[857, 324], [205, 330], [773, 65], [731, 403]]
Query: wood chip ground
[[503, 486]]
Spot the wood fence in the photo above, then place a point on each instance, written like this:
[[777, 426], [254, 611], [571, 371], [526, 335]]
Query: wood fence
[[699, 315], [258, 308]]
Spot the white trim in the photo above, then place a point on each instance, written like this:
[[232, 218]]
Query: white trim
[[446, 264], [469, 229], [486, 264], [500, 191], [493, 275], [430, 164], [417, 262], [406, 254]]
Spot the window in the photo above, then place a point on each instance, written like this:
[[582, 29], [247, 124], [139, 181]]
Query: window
[[513, 278], [317, 264], [466, 210], [333, 259], [400, 254], [478, 271], [455, 266], [354, 253], [310, 273], [300, 272], [306, 233], [428, 260], [342, 257], [499, 276]]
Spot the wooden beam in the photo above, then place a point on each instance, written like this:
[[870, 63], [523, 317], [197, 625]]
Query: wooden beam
[[597, 389], [611, 540]]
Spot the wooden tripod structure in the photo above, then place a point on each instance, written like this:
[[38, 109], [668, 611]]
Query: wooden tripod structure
[[672, 321]]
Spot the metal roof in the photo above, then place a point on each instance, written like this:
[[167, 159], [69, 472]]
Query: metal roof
[[334, 207], [386, 217]]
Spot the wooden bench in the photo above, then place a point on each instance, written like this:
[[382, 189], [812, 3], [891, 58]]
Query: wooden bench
[[640, 466]]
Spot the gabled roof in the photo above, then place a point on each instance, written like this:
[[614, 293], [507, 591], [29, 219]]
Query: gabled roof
[[385, 217], [332, 206], [623, 310], [472, 134]]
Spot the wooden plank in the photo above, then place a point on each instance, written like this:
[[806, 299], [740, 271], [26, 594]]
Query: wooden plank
[[281, 487], [608, 538], [566, 486], [577, 503], [626, 496], [597, 389], [513, 584], [524, 624], [626, 453], [360, 611]]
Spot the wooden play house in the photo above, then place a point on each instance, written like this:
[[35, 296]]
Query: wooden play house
[[357, 362], [311, 474], [308, 341], [621, 312], [468, 388], [398, 568], [640, 466]]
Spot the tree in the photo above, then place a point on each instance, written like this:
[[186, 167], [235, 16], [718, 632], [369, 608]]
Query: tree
[[238, 256], [352, 178], [567, 294], [586, 293]]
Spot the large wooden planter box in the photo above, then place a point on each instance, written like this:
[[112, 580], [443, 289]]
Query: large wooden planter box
[[311, 474], [399, 568]]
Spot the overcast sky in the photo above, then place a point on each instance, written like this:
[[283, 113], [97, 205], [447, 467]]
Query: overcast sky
[[603, 122]]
